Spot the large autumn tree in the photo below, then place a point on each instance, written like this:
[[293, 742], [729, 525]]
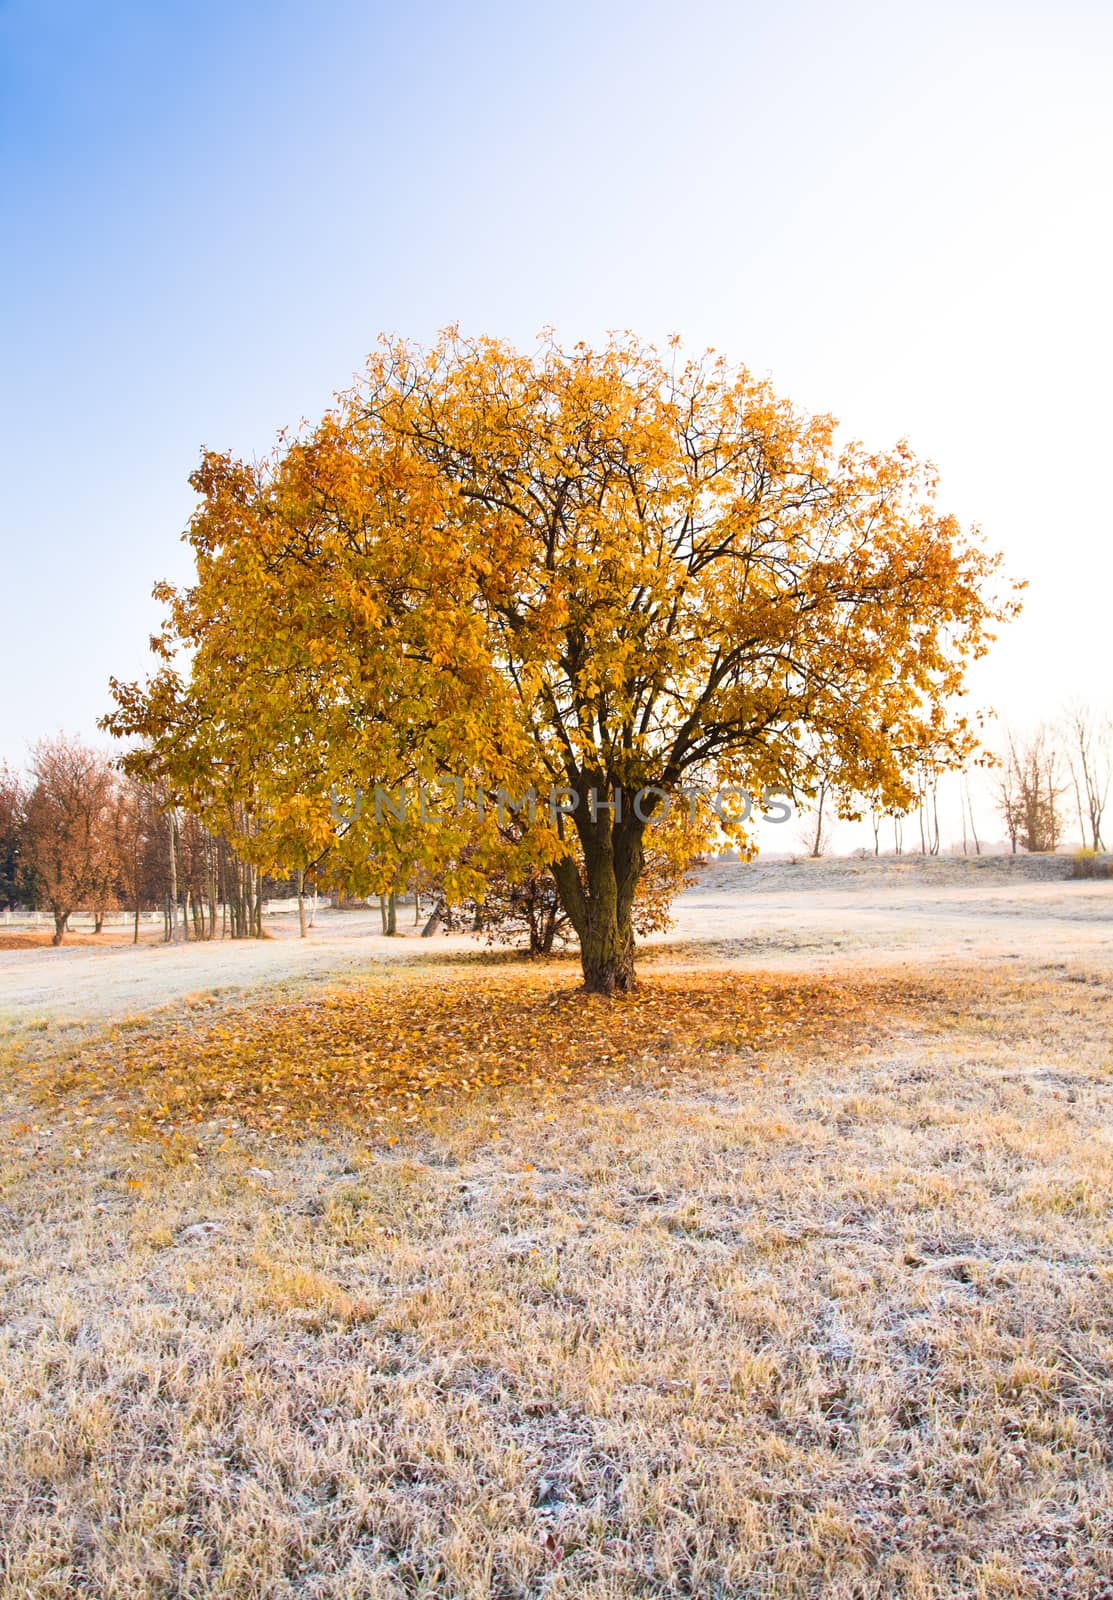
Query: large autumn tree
[[608, 570]]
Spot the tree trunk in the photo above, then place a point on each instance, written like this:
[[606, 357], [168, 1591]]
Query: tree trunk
[[392, 914], [60, 920], [173, 915], [210, 873], [301, 904], [135, 880], [607, 954], [601, 908], [818, 841], [542, 931]]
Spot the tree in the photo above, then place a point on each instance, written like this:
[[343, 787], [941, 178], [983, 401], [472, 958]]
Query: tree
[[606, 574], [816, 837], [967, 808], [13, 800], [877, 816], [1030, 790], [926, 780], [143, 828], [68, 834], [1088, 740]]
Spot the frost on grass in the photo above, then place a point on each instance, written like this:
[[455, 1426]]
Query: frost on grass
[[799, 1290]]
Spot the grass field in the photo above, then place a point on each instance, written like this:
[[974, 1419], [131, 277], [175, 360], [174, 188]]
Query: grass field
[[447, 1281]]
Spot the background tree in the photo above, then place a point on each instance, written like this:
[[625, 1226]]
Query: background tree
[[1030, 790], [969, 823], [68, 839], [141, 848], [13, 799], [1087, 737], [605, 570], [877, 817], [816, 836]]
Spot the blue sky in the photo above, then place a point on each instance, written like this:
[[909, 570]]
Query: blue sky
[[900, 212]]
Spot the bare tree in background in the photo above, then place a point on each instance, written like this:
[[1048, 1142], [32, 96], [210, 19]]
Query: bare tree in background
[[1088, 737], [1030, 790], [816, 837], [967, 806], [877, 817], [927, 805], [142, 829]]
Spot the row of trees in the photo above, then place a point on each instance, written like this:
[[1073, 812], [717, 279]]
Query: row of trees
[[1056, 775], [1047, 783], [77, 834]]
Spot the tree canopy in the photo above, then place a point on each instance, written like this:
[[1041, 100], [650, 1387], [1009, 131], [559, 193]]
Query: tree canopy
[[608, 573]]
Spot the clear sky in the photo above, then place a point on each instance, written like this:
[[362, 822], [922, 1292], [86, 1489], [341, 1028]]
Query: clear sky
[[901, 212]]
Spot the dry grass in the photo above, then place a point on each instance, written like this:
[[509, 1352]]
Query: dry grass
[[824, 1310]]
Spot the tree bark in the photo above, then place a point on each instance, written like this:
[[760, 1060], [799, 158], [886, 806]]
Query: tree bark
[[607, 954], [600, 907]]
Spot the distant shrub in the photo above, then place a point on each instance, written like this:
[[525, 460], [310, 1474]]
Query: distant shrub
[[1086, 863]]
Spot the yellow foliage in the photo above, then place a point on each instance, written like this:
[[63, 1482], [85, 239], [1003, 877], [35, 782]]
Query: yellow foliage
[[602, 569]]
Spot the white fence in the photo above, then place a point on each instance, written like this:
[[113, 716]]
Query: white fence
[[79, 922], [83, 921]]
